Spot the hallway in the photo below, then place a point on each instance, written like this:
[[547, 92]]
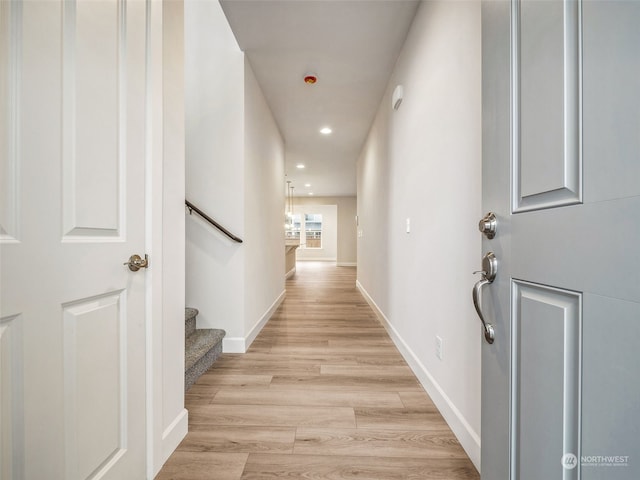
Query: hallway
[[322, 393]]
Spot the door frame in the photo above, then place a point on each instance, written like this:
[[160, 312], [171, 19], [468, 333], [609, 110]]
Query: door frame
[[167, 419]]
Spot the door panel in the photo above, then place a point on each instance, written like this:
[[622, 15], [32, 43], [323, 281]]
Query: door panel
[[94, 117], [541, 62], [79, 158], [546, 72], [9, 74], [95, 382], [557, 385], [546, 379], [11, 398]]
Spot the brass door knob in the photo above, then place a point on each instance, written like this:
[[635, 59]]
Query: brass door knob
[[136, 262]]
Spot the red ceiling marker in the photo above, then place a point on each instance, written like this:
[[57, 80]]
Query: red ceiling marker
[[310, 79]]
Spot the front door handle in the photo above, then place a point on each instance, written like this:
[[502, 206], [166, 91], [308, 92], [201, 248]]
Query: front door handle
[[490, 265]]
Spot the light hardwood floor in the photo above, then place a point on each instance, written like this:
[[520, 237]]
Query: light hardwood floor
[[322, 394]]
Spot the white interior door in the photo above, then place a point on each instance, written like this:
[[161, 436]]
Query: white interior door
[[72, 331], [561, 171]]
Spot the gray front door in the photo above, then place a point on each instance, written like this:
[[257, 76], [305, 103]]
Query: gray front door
[[561, 171]]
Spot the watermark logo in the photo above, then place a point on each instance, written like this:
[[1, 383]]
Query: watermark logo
[[605, 460], [569, 461]]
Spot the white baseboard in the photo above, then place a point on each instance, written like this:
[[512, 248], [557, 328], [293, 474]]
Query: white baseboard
[[171, 438], [233, 345], [311, 259], [466, 435], [346, 264], [253, 333], [242, 344], [290, 273]]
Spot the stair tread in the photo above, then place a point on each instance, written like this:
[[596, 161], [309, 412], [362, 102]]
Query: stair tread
[[199, 343], [190, 313]]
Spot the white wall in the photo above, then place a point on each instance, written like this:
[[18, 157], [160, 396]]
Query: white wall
[[264, 210], [234, 173], [423, 162], [214, 76], [347, 246], [329, 250]]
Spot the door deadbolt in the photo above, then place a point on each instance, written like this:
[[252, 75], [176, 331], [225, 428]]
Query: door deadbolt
[[488, 225]]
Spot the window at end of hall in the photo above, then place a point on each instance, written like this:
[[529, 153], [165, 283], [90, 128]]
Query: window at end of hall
[[313, 230]]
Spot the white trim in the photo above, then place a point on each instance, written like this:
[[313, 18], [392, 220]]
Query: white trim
[[173, 435], [346, 264], [290, 273], [233, 345], [153, 244], [311, 259], [467, 437], [253, 333], [165, 103], [242, 344]]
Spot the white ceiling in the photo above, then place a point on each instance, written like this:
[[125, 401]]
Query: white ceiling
[[352, 46]]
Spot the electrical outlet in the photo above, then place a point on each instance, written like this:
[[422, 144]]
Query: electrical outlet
[[439, 347]]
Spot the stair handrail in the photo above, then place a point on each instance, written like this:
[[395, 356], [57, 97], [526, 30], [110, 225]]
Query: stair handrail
[[192, 208]]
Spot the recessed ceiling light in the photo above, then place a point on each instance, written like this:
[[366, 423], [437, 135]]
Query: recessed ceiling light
[[300, 166], [325, 130], [310, 193], [307, 185]]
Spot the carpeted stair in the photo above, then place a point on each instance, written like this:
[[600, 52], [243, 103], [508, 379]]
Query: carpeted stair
[[202, 347]]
